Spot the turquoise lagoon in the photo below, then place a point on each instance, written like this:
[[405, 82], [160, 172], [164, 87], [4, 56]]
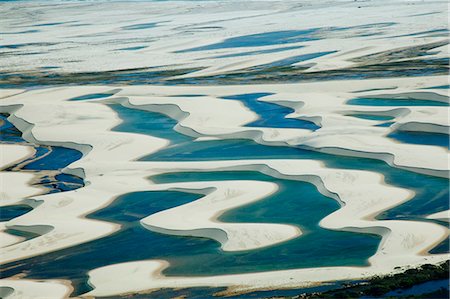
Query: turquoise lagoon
[[302, 204]]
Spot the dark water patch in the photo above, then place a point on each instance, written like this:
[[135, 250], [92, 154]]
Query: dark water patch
[[19, 46], [260, 39], [394, 102], [251, 53], [92, 96], [62, 182], [140, 26], [439, 87], [420, 288], [20, 32], [27, 235], [443, 247], [375, 89], [199, 256], [271, 115], [132, 48], [378, 287], [386, 124], [371, 116], [425, 202], [46, 163], [301, 197], [10, 212], [426, 138], [133, 242], [49, 24], [9, 133], [59, 158], [50, 67], [149, 123]]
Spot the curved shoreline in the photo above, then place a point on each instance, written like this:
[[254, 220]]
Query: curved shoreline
[[129, 175]]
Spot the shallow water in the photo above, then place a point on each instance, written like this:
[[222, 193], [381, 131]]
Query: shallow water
[[131, 47], [394, 102]]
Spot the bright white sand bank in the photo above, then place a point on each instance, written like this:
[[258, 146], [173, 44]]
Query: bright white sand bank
[[108, 165], [109, 171]]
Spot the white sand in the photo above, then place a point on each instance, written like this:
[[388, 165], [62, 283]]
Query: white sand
[[108, 164]]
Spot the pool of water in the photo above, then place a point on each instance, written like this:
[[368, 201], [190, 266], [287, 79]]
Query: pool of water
[[271, 115], [261, 39], [11, 212], [198, 256], [302, 204], [91, 96], [436, 139], [422, 288], [425, 202], [371, 116], [394, 102]]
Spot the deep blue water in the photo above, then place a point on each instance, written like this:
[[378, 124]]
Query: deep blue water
[[91, 96], [132, 48], [422, 288], [47, 159], [198, 256], [11, 212], [394, 102], [426, 138], [371, 116], [261, 39], [271, 115]]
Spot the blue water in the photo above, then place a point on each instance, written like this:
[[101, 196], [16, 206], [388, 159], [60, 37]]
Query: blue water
[[422, 288], [394, 102], [140, 26], [11, 212], [49, 24], [146, 122], [9, 133], [91, 96], [371, 116], [261, 39], [271, 115], [47, 158], [198, 256], [425, 202], [132, 48], [58, 158], [386, 124], [426, 138], [439, 87]]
